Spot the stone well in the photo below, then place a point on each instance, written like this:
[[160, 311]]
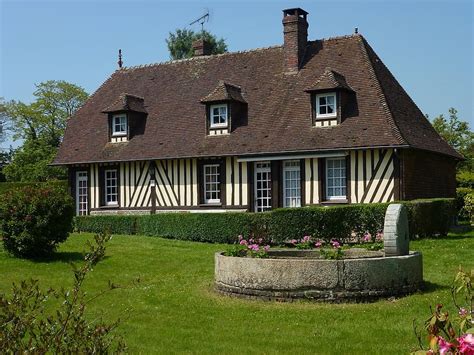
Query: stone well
[[361, 275]]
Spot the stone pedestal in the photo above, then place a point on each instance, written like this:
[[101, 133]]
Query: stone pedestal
[[395, 231]]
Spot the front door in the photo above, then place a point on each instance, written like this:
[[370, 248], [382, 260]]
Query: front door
[[263, 186], [82, 206]]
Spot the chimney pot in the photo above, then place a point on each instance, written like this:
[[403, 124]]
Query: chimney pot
[[201, 47], [295, 34]]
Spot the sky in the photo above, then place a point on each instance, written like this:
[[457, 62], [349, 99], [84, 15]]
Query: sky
[[428, 45]]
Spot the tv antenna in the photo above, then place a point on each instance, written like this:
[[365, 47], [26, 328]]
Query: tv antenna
[[204, 18]]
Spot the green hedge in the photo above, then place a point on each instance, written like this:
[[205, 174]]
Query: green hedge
[[426, 217]]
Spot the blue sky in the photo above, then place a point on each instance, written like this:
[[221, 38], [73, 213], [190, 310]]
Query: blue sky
[[428, 45]]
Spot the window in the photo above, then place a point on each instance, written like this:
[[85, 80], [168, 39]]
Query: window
[[81, 193], [119, 125], [111, 188], [212, 192], [291, 184], [336, 179], [263, 187], [218, 116], [326, 105]]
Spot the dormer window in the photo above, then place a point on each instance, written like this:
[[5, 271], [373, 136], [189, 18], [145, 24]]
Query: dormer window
[[119, 125], [218, 115], [326, 105]]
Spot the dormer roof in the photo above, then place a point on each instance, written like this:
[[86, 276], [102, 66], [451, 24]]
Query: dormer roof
[[330, 79], [224, 91], [127, 102]]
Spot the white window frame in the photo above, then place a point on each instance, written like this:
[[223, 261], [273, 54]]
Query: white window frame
[[291, 166], [326, 115], [340, 197], [107, 180], [217, 190], [212, 116], [82, 207], [123, 122], [263, 167]]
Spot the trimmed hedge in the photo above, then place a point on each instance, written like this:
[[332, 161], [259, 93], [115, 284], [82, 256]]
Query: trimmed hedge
[[426, 218]]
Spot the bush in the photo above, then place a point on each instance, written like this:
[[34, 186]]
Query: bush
[[327, 222], [461, 193], [33, 220], [7, 186], [428, 218], [469, 206], [125, 224]]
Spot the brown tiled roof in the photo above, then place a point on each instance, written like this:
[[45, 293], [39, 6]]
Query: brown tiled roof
[[330, 79], [225, 92], [279, 117], [127, 102]]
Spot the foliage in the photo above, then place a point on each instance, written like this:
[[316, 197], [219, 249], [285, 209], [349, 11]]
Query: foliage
[[427, 218], [180, 43], [333, 253], [31, 162], [465, 179], [5, 159], [27, 327], [41, 126], [461, 193], [253, 247], [469, 206], [452, 335], [459, 135], [33, 220], [7, 186], [430, 217]]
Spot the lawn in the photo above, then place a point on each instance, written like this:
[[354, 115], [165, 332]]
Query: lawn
[[174, 309]]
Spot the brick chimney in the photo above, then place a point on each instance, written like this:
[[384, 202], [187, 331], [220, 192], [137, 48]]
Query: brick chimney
[[295, 33], [201, 47]]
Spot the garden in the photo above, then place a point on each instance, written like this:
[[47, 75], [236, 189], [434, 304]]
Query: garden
[[146, 293]]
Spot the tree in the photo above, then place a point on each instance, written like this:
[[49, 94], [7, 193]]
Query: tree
[[41, 126], [180, 43], [5, 159], [459, 135]]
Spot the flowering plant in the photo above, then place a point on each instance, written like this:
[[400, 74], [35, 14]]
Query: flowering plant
[[335, 252], [253, 247], [372, 242], [305, 243], [457, 337]]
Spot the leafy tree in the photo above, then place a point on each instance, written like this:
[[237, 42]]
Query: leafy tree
[[459, 135], [180, 43], [46, 117], [41, 126], [5, 159], [31, 162]]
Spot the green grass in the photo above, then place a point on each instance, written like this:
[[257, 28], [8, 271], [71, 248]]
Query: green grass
[[175, 310]]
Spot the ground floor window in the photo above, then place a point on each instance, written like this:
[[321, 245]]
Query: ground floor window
[[291, 184], [212, 192], [336, 179], [82, 207], [111, 187], [263, 187]]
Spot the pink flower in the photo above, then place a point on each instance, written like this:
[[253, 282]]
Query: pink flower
[[335, 244], [251, 240], [466, 344], [367, 237], [379, 236], [266, 248], [243, 242], [293, 241], [444, 346], [260, 240], [241, 237], [254, 247], [318, 244], [463, 312], [306, 238]]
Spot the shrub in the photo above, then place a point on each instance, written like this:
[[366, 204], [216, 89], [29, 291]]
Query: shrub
[[326, 222], [461, 193], [33, 220], [125, 224], [428, 218], [7, 186], [469, 206]]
